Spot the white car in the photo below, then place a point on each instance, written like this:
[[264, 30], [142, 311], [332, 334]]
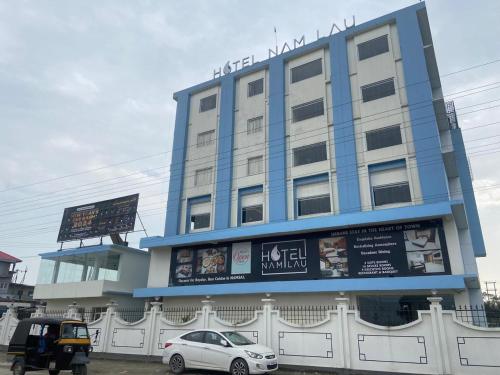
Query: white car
[[223, 351]]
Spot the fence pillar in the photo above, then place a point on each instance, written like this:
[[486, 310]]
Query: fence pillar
[[268, 322], [107, 334], [154, 313], [9, 317], [343, 331], [438, 330], [206, 311], [73, 312], [39, 312]]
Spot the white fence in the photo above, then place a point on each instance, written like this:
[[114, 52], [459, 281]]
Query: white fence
[[436, 343]]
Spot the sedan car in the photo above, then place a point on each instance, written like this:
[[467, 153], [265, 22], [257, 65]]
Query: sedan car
[[227, 351]]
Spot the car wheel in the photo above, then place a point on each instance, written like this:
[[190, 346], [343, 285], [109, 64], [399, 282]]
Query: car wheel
[[18, 368], [239, 367], [177, 364]]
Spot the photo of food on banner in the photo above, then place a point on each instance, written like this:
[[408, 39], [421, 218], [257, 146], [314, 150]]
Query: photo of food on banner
[[333, 257], [184, 267], [211, 261]]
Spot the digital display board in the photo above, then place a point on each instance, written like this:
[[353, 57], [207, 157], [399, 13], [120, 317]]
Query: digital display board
[[406, 249], [99, 219]]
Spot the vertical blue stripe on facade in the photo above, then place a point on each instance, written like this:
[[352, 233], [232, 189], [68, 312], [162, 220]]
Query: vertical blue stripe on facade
[[277, 141], [476, 233], [343, 127], [177, 165], [431, 171], [224, 155]]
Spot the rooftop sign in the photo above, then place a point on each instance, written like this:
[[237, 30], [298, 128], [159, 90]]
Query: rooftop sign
[[233, 66]]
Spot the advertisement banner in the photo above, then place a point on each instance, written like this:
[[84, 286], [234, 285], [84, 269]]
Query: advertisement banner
[[408, 249]]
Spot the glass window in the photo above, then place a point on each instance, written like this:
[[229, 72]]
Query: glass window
[[373, 47], [200, 221], [71, 269], [237, 338], [384, 137], [208, 103], [251, 213], [194, 336], [255, 165], [213, 338], [205, 138], [254, 125], [203, 177], [393, 193], [307, 70], [313, 205], [74, 331], [256, 87], [46, 271], [102, 266], [309, 154], [308, 110], [378, 90]]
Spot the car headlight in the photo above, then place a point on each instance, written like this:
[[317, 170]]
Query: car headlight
[[68, 349], [253, 355]]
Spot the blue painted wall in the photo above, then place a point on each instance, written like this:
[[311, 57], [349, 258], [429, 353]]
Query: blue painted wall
[[343, 127], [177, 165], [225, 155], [433, 180], [277, 144], [471, 212]]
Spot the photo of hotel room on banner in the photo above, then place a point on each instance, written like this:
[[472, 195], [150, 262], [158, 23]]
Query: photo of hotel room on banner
[[408, 249]]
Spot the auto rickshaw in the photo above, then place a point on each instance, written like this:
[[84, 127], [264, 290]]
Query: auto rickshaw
[[50, 344]]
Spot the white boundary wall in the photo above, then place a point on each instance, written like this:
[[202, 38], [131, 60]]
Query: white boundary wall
[[436, 343]]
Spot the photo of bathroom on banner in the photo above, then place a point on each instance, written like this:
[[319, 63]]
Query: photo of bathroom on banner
[[211, 261], [241, 258], [423, 251], [333, 257]]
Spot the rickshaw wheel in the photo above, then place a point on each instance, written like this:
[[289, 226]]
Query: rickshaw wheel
[[79, 370], [18, 368]]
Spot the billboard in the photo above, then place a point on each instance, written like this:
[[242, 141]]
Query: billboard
[[407, 249], [99, 219]]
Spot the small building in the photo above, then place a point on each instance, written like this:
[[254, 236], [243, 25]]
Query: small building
[[92, 277]]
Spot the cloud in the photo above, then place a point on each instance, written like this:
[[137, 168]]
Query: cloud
[[78, 86]]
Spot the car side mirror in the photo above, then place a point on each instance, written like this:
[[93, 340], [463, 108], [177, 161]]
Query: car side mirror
[[224, 343]]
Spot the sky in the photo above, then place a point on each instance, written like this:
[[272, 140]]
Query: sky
[[87, 114]]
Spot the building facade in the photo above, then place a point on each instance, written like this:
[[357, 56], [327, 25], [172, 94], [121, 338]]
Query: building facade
[[335, 167]]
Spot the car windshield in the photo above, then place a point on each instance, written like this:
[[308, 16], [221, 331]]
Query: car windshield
[[74, 331], [236, 338]]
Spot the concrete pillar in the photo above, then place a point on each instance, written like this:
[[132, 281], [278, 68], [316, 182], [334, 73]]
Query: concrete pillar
[[206, 311], [439, 334], [343, 331]]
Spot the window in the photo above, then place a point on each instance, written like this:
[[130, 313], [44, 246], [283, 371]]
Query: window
[[255, 165], [373, 47], [307, 70], [312, 197], [251, 213], [203, 177], [384, 137], [256, 87], [200, 221], [205, 138], [213, 338], [194, 336], [309, 154], [254, 125], [378, 90], [389, 183], [313, 205], [208, 103], [308, 110]]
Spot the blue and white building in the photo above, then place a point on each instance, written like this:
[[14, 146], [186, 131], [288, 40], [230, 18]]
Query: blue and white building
[[333, 167]]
